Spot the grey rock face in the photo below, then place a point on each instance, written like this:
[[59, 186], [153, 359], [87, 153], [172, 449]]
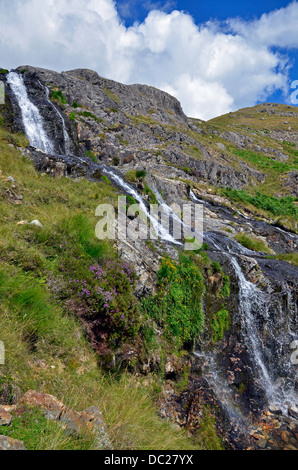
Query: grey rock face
[[118, 124]]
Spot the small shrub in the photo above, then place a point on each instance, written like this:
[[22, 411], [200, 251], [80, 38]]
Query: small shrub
[[130, 176], [110, 300], [116, 161], [141, 174], [57, 95]]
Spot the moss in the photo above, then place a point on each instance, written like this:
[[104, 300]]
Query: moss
[[220, 324]]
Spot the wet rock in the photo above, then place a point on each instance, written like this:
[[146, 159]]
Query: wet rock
[[293, 411]]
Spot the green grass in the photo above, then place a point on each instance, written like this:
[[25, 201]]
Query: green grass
[[91, 155], [87, 114], [284, 206], [37, 321], [252, 243], [220, 323], [177, 306], [264, 162], [291, 258], [38, 433]]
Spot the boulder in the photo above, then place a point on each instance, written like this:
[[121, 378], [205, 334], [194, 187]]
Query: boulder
[[5, 417], [7, 443]]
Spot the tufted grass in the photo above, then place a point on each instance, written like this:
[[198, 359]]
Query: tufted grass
[[253, 243]]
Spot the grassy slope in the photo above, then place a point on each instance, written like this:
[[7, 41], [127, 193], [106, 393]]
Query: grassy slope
[[45, 345], [270, 130]]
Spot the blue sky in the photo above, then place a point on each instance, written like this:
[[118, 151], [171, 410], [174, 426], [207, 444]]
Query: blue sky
[[204, 11], [214, 56]]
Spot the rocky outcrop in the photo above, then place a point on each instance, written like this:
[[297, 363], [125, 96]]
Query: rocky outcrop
[[76, 424], [120, 124]]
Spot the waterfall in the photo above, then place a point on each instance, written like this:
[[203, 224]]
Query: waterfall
[[31, 117], [253, 304], [66, 138], [253, 301], [158, 228]]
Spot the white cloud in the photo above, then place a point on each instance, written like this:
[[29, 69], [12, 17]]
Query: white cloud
[[277, 28], [211, 69]]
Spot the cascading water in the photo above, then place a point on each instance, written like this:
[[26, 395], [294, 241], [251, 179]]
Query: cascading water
[[253, 303], [66, 138], [158, 228], [31, 117]]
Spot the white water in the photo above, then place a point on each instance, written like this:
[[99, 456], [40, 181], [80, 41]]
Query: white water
[[31, 117], [67, 141], [253, 301], [158, 228]]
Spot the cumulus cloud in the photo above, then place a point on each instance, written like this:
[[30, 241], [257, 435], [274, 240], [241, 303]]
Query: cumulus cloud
[[212, 68]]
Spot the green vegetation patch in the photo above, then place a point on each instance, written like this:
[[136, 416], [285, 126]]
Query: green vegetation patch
[[112, 95], [264, 162], [252, 242], [284, 206], [220, 324], [57, 95], [178, 304]]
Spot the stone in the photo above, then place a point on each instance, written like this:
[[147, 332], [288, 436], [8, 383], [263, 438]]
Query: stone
[[72, 422], [293, 411], [91, 419], [7, 443], [262, 443], [276, 410], [5, 417], [53, 407]]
